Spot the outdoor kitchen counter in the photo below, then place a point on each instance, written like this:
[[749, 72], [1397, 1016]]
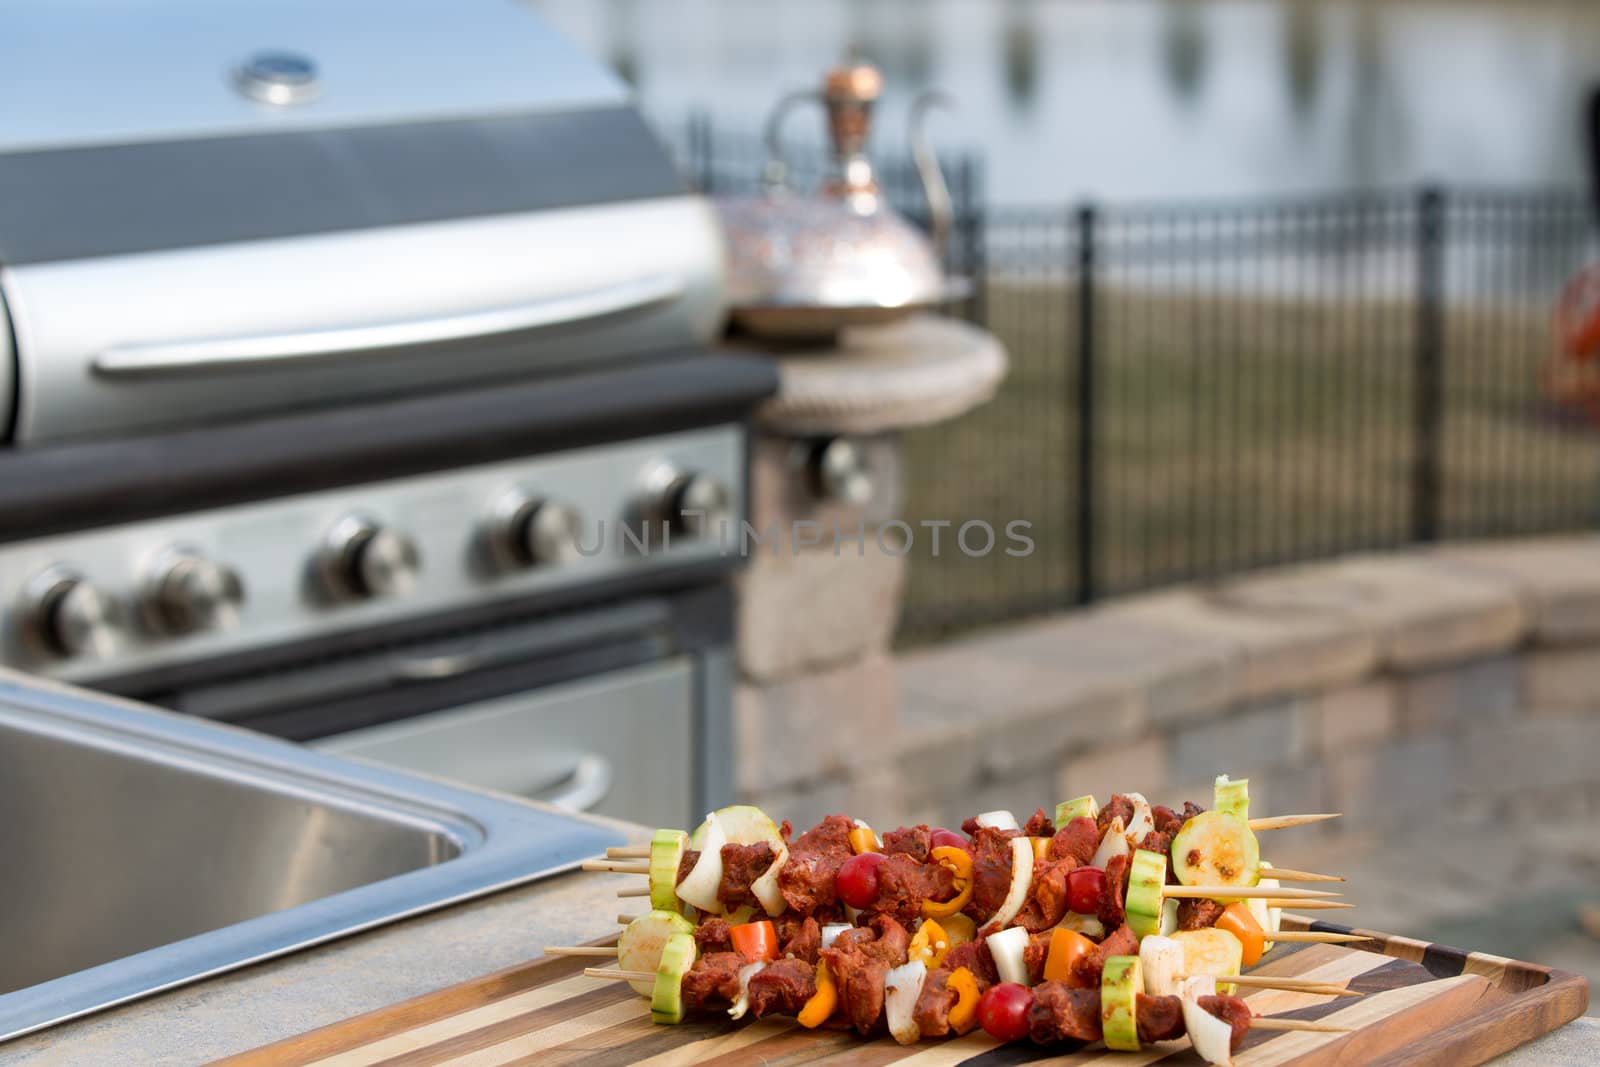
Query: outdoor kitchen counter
[[274, 1000], [302, 991]]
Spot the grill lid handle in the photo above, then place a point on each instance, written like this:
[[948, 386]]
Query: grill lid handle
[[179, 358]]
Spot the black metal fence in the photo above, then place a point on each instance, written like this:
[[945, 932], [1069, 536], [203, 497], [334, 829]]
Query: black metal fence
[[1198, 389]]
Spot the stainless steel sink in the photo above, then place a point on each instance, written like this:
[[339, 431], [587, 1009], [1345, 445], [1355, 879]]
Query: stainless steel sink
[[145, 849]]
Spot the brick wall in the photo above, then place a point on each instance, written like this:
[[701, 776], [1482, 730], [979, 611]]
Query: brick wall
[[1387, 687]]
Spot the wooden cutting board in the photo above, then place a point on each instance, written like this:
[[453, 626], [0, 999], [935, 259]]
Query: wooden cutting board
[[1425, 1004]]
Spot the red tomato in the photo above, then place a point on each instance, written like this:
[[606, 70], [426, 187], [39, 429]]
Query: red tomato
[[857, 881], [941, 836], [1085, 887], [1003, 1011]]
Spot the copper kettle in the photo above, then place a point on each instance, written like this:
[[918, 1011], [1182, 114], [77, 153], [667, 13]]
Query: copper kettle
[[803, 266]]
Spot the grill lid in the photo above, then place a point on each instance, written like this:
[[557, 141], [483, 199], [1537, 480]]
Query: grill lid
[[213, 207]]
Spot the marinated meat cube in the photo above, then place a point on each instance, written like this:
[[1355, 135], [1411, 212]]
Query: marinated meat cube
[[913, 841], [1118, 807], [782, 987], [1166, 820], [969, 826], [904, 883], [1190, 810], [1157, 841], [1110, 909], [1039, 825], [686, 864], [742, 865], [975, 957], [1158, 1018], [1047, 897], [804, 943], [1086, 971], [1198, 914], [860, 981], [1233, 1011], [892, 944], [991, 871], [712, 936], [1077, 840], [1062, 1013], [1034, 956], [807, 878], [932, 1010], [713, 978]]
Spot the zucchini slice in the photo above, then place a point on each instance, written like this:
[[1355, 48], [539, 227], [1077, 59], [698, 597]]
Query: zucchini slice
[[1077, 807], [666, 996], [1211, 952], [1215, 848], [1146, 877], [1120, 984], [1231, 796], [639, 947], [666, 852]]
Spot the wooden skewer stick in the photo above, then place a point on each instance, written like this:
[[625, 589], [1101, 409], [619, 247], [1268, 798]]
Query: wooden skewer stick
[[624, 920], [1240, 892], [634, 891], [1284, 874], [619, 976], [1283, 822], [617, 868], [1316, 937], [1308, 905], [1293, 985], [581, 950], [628, 852], [1264, 1023]]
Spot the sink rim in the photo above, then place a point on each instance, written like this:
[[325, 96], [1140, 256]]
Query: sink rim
[[503, 841]]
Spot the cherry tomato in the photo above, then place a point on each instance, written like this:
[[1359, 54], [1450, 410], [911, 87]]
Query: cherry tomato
[[1003, 1011], [941, 836], [1085, 887], [857, 881]]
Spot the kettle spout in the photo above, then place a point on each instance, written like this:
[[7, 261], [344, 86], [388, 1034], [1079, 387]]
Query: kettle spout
[[934, 188]]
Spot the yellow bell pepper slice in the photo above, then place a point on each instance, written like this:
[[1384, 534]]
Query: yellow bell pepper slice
[[863, 839], [820, 1008], [959, 862], [959, 929], [964, 1013], [1041, 848], [930, 944]]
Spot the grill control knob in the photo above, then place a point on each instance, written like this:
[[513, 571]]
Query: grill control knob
[[531, 531], [71, 617], [362, 559], [188, 592], [689, 504]]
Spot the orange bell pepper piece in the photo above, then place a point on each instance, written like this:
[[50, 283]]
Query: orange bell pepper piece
[[755, 941], [1237, 920], [1041, 848], [964, 1013], [862, 839], [959, 862], [1066, 948], [820, 1008]]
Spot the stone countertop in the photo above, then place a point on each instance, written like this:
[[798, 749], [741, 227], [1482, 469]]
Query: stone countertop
[[270, 1001]]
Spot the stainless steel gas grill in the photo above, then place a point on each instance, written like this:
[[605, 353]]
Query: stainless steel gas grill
[[355, 390]]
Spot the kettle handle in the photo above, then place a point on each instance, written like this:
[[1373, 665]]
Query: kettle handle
[[775, 176], [934, 188]]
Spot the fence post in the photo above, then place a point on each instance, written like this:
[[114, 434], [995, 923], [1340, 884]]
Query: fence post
[[1085, 355], [1429, 400]]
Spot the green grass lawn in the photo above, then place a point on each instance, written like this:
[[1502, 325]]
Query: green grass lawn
[[1233, 432]]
